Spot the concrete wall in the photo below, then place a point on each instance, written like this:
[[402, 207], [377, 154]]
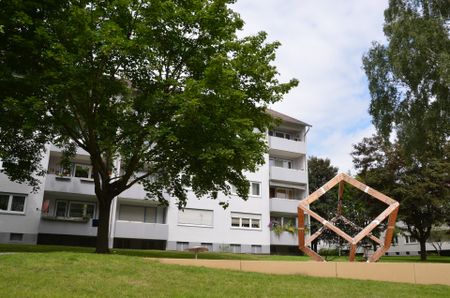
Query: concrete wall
[[221, 233], [413, 273], [28, 222]]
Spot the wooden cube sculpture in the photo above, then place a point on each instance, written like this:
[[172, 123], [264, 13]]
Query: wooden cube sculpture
[[391, 212]]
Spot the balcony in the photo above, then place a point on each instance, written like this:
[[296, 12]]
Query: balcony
[[284, 238], [288, 175], [56, 183], [140, 230], [66, 226], [283, 205], [285, 147]]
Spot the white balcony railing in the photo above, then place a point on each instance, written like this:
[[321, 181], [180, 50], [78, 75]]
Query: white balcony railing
[[141, 230], [283, 205], [285, 238], [285, 145], [288, 175], [76, 185]]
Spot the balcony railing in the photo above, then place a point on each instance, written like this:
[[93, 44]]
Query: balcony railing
[[285, 145], [58, 183], [283, 205], [288, 175], [141, 230]]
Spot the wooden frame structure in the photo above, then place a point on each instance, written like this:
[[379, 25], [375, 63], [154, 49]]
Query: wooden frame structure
[[391, 212]]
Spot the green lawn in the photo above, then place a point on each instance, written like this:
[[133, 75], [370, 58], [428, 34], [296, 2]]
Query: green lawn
[[62, 274], [208, 255]]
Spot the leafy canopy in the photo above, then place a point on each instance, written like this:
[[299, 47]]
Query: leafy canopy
[[164, 86], [409, 77]]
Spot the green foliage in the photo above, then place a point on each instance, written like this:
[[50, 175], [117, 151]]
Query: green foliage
[[423, 189], [409, 83], [320, 171], [409, 77], [167, 86]]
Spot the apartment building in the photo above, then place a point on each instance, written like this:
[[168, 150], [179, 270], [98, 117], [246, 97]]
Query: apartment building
[[64, 210]]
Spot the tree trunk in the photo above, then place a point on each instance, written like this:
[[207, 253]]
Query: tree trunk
[[423, 250], [103, 226]]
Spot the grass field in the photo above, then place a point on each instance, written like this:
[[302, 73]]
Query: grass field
[[190, 255], [66, 273]]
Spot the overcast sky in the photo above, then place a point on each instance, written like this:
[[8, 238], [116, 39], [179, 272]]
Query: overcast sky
[[322, 45]]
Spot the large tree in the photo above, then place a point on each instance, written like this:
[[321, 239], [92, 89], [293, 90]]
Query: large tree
[[164, 87], [423, 190], [409, 76], [409, 82]]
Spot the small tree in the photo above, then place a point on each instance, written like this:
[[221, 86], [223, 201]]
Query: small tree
[[165, 87]]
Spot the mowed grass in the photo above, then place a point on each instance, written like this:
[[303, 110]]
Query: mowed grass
[[69, 274], [148, 253]]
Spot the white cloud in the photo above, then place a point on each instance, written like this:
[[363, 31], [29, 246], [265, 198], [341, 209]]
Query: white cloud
[[322, 45]]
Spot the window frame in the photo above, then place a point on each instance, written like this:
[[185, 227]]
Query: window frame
[[251, 189], [74, 171], [251, 217], [193, 224], [10, 201], [145, 214], [288, 162], [67, 208]]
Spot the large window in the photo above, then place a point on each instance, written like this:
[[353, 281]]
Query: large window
[[281, 163], [12, 203], [245, 220], [82, 171], [285, 135], [75, 170], [281, 193], [255, 189], [74, 209], [410, 239], [138, 213], [196, 217]]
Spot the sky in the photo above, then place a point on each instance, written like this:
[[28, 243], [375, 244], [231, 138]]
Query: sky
[[323, 42]]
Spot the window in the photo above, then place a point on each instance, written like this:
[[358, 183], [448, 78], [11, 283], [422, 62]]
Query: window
[[256, 249], [81, 210], [394, 240], [195, 217], [61, 207], [83, 171], [12, 203], [245, 220], [255, 189], [15, 237], [182, 245], [284, 135], [137, 213], [281, 193], [74, 209], [410, 239], [235, 248], [281, 163]]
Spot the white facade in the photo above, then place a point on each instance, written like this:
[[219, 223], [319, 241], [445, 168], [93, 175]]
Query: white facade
[[64, 210]]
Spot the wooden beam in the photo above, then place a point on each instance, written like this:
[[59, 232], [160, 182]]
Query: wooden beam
[[375, 223], [352, 252]]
